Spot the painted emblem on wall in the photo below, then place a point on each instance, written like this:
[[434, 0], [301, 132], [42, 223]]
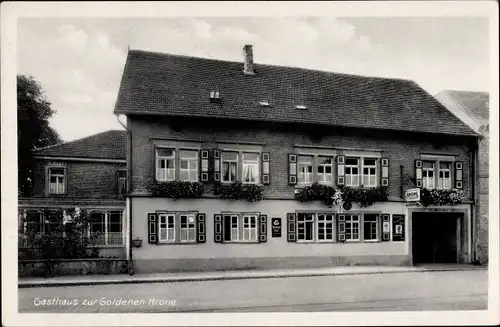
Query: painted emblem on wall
[[347, 205], [276, 227]]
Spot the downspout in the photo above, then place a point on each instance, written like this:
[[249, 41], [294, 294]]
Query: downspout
[[129, 188], [474, 220]]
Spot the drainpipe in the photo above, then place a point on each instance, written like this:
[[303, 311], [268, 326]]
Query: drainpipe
[[475, 188], [129, 188]]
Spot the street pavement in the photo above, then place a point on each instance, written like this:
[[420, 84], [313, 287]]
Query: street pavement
[[439, 290]]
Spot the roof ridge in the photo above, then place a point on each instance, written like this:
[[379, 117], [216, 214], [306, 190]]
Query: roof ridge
[[165, 54], [76, 140]]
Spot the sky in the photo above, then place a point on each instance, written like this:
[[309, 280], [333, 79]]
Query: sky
[[79, 61]]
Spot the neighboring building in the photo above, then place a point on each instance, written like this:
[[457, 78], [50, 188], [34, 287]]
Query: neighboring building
[[88, 173], [216, 122], [473, 109]]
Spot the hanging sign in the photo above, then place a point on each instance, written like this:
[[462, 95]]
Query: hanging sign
[[276, 227], [412, 195]]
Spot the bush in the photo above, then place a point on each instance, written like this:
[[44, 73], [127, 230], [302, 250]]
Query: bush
[[237, 190], [178, 189]]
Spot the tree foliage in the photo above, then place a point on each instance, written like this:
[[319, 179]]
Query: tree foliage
[[33, 130]]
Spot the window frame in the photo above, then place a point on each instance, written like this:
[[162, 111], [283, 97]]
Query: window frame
[[377, 227], [362, 172], [188, 228], [349, 220], [106, 214], [315, 227], [450, 173], [358, 167], [299, 166], [64, 178], [236, 161], [257, 163], [159, 158], [331, 165], [177, 227], [240, 227], [122, 181], [189, 169], [425, 176]]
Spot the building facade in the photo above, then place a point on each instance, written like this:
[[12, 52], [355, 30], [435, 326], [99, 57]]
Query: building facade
[[473, 109], [224, 157], [87, 174]]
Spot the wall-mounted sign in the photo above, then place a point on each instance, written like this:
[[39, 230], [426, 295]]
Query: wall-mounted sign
[[412, 195], [398, 228], [276, 227]]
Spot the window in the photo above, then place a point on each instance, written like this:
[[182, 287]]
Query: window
[[444, 181], [167, 228], [352, 227], [188, 169], [188, 228], [122, 182], [370, 227], [56, 180], [240, 227], [325, 227], [352, 172], [312, 227], [177, 227], [229, 166], [305, 172], [97, 227], [325, 170], [250, 167], [114, 234], [34, 222], [369, 172], [428, 174], [165, 165]]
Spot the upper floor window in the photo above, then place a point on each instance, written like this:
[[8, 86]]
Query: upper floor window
[[165, 165], [352, 172], [250, 167], [229, 163], [428, 174], [57, 180], [325, 170], [122, 182], [444, 181], [370, 172], [305, 170], [188, 169]]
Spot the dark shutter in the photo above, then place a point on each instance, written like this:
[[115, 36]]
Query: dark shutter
[[218, 228], [418, 173], [459, 175], [292, 169], [384, 172], [385, 227], [340, 161], [263, 228], [152, 228], [204, 166], [216, 165], [341, 228], [201, 230], [291, 227], [398, 228], [266, 172]]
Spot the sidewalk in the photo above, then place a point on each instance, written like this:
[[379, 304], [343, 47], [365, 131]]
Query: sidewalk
[[225, 275]]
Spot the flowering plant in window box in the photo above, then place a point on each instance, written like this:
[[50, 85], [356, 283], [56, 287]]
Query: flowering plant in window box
[[343, 196], [178, 189], [237, 191], [441, 197], [137, 242]]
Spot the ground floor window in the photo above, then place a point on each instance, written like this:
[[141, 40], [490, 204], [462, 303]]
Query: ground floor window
[[371, 227], [315, 227], [177, 227], [106, 227], [352, 227], [240, 227]]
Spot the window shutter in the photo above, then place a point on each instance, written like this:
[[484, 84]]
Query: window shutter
[[152, 228], [341, 228], [216, 163], [340, 170], [386, 227], [201, 231], [263, 228], [292, 169], [384, 172], [291, 227], [218, 228], [204, 164], [418, 173], [266, 177], [459, 175]]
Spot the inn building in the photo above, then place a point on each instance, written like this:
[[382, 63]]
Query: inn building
[[228, 161]]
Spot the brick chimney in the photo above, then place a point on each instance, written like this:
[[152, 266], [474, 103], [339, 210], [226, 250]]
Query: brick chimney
[[248, 60]]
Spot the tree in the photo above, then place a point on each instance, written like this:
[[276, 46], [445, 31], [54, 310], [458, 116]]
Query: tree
[[33, 130]]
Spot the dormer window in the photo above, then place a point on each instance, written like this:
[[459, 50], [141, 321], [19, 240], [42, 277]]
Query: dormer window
[[300, 107], [264, 104], [214, 96]]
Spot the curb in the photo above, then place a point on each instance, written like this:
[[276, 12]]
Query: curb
[[229, 277]]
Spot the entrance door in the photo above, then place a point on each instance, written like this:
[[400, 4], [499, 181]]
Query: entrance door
[[434, 237]]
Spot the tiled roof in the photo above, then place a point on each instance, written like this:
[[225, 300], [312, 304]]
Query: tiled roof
[[106, 145], [474, 103], [164, 84]]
